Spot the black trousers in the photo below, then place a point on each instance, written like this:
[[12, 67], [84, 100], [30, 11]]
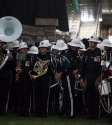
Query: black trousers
[[54, 96], [24, 96], [4, 91], [51, 95], [92, 95], [41, 95], [68, 95], [13, 102]]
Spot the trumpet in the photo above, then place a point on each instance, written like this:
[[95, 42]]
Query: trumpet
[[76, 87], [18, 70]]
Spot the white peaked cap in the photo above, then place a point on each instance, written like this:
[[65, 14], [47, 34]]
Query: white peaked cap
[[43, 44], [22, 45], [15, 44], [75, 42], [100, 46], [94, 38], [60, 45], [33, 50], [106, 42]]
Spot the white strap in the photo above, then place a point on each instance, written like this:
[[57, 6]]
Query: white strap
[[5, 60]]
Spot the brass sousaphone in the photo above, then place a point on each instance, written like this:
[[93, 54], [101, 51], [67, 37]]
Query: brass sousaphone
[[10, 30]]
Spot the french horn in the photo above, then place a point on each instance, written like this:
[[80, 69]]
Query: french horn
[[40, 68]]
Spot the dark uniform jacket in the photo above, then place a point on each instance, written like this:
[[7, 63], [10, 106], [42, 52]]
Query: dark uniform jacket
[[7, 67], [91, 62], [75, 59], [65, 62]]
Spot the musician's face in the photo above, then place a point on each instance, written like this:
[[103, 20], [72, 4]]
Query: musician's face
[[2, 45], [43, 50], [74, 48], [92, 44], [23, 50]]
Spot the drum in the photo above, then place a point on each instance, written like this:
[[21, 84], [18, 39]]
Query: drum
[[104, 89]]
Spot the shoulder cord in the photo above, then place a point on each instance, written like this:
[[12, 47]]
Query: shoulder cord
[[52, 57], [65, 58]]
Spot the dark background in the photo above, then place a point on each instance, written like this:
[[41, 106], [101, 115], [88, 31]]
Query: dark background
[[27, 10]]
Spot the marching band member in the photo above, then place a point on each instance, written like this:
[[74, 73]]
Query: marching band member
[[33, 51], [81, 97], [92, 69], [108, 71], [15, 46], [109, 76], [107, 48], [23, 81], [42, 82], [74, 46], [65, 73], [5, 77]]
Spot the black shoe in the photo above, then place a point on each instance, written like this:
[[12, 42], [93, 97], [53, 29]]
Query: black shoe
[[82, 113], [21, 114], [3, 113], [27, 115], [90, 118], [63, 116], [69, 117], [37, 115], [77, 114], [105, 116], [96, 118], [44, 116]]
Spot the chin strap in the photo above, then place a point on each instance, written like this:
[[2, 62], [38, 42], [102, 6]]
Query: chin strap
[[5, 60]]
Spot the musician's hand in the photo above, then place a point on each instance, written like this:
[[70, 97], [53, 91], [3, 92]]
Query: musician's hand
[[46, 62], [75, 72], [81, 83], [105, 79], [18, 69], [57, 60], [29, 72], [76, 76], [59, 75]]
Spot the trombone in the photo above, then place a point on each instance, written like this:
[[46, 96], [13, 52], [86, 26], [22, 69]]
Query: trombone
[[58, 81]]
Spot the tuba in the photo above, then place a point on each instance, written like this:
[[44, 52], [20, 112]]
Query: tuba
[[40, 68], [10, 30]]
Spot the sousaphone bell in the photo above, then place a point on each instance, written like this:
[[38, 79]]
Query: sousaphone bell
[[10, 29]]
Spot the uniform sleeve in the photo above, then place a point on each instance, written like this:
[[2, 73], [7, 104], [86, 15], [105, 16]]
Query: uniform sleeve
[[66, 66]]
